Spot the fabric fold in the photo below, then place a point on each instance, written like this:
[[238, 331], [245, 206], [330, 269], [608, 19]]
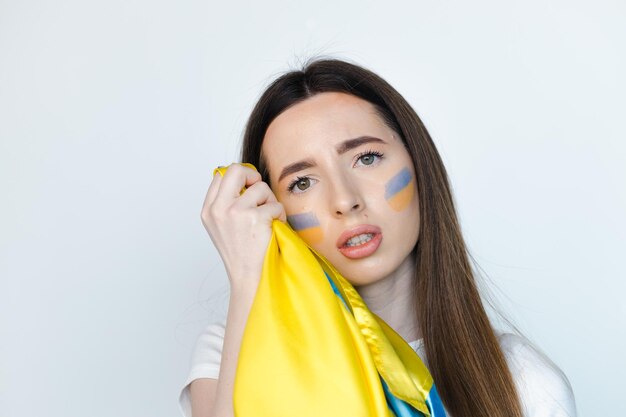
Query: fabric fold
[[311, 347]]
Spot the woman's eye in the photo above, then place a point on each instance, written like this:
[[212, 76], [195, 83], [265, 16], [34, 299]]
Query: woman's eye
[[303, 184], [299, 185], [368, 158]]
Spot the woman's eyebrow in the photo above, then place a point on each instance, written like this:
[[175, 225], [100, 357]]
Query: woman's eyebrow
[[348, 144], [295, 167], [342, 148]]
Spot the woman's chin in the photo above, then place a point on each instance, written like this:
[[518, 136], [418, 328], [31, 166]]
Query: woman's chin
[[359, 280]]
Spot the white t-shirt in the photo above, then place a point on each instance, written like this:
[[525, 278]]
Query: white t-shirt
[[544, 389]]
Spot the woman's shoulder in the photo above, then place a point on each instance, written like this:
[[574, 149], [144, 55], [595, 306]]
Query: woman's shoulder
[[213, 334], [207, 352], [543, 387], [205, 361]]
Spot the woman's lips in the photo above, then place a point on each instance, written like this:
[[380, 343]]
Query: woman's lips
[[364, 249]]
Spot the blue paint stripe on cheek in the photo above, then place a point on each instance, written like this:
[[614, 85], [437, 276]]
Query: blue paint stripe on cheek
[[303, 221], [397, 183]]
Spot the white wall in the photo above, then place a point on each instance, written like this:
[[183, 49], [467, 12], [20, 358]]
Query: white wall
[[114, 113]]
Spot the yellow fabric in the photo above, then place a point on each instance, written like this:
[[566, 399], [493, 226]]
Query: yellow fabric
[[303, 353]]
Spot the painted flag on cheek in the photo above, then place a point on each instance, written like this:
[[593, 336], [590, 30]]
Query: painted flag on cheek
[[311, 347]]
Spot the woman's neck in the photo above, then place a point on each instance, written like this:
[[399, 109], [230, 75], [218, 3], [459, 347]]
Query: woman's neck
[[392, 299]]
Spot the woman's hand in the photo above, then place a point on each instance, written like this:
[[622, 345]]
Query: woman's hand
[[240, 226]]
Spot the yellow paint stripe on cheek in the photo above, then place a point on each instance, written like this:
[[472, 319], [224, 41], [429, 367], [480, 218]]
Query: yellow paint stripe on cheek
[[402, 199], [311, 235], [307, 226]]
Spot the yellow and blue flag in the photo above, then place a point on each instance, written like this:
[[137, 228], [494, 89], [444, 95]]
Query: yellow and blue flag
[[311, 347]]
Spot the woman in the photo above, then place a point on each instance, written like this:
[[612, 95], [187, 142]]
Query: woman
[[336, 145]]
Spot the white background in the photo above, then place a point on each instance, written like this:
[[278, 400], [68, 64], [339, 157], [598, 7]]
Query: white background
[[114, 113]]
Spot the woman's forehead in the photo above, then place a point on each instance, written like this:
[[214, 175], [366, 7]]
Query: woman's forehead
[[318, 123], [324, 110]]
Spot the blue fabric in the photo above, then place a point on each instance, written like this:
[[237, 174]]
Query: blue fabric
[[398, 407]]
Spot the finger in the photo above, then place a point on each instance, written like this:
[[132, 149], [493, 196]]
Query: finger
[[272, 197], [256, 195], [236, 177], [213, 190], [273, 211]]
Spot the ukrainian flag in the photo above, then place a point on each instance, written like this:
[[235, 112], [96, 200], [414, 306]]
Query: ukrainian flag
[[311, 347]]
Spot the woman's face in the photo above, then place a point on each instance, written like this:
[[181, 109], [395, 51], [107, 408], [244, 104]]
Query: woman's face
[[335, 166]]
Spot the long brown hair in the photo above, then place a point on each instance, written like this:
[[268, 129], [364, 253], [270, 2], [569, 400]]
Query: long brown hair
[[463, 353]]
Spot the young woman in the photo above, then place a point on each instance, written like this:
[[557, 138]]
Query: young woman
[[332, 142]]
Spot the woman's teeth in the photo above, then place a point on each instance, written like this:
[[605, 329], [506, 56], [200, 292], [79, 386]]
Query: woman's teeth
[[359, 239]]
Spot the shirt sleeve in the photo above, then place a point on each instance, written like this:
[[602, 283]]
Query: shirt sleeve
[[544, 389], [205, 362]]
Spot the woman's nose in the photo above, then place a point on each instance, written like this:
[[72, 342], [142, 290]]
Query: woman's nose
[[345, 197]]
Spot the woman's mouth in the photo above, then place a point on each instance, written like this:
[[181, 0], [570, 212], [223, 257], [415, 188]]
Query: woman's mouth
[[360, 241]]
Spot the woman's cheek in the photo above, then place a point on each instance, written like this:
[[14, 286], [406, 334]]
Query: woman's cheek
[[400, 189], [307, 226]]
